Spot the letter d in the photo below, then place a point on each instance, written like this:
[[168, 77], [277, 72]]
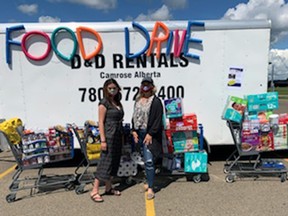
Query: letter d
[[76, 62]]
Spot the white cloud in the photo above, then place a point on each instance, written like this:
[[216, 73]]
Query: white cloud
[[48, 19], [179, 4], [279, 60], [275, 10], [162, 13], [28, 9], [97, 4]]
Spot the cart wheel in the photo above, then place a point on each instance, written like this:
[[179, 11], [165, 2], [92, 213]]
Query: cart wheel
[[283, 177], [229, 178], [70, 187], [197, 178], [157, 171], [129, 181], [225, 170], [14, 186], [79, 189], [205, 177], [11, 198], [189, 177]]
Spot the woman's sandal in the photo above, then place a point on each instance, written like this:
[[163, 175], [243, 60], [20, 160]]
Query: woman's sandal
[[96, 198], [113, 192], [150, 196], [144, 188]]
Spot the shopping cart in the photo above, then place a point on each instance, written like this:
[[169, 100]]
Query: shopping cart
[[89, 142], [34, 152], [131, 168], [191, 164], [245, 162]]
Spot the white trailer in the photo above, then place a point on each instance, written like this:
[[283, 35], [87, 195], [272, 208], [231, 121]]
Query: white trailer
[[45, 79]]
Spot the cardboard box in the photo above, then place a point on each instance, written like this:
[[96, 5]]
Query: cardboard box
[[187, 122], [253, 125], [280, 138], [234, 109], [195, 162], [266, 142], [173, 108], [169, 142], [185, 141], [262, 102], [283, 118], [249, 141], [261, 116], [264, 97]]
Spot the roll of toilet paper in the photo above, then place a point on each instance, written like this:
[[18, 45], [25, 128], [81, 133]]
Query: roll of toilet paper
[[127, 173], [126, 165], [133, 165], [274, 119], [120, 173], [120, 165], [127, 168], [137, 158], [133, 172]]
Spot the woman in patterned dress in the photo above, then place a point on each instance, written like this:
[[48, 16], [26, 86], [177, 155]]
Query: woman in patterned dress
[[110, 117], [147, 129]]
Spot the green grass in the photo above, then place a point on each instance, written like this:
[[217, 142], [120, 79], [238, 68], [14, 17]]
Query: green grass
[[282, 91]]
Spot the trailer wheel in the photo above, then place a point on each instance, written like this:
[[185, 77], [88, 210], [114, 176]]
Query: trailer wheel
[[11, 198], [229, 179], [283, 177]]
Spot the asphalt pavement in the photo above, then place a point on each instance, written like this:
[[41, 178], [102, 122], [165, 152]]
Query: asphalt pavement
[[174, 196]]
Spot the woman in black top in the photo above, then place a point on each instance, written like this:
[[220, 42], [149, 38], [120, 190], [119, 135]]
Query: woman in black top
[[147, 128], [110, 114]]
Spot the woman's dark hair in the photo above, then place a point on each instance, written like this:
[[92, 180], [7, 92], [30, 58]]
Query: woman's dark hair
[[117, 97]]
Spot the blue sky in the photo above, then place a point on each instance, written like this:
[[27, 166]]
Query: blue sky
[[115, 10], [111, 10], [21, 11]]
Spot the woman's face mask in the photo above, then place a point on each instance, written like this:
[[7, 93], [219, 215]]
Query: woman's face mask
[[146, 88], [112, 91]]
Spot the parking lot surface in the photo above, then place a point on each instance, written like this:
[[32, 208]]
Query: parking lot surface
[[174, 196]]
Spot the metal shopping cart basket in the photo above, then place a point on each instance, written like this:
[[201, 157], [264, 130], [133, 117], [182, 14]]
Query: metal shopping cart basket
[[89, 141], [34, 152], [193, 164], [247, 162]]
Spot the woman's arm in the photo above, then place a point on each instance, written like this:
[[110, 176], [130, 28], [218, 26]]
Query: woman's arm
[[101, 118], [155, 117], [134, 133]]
